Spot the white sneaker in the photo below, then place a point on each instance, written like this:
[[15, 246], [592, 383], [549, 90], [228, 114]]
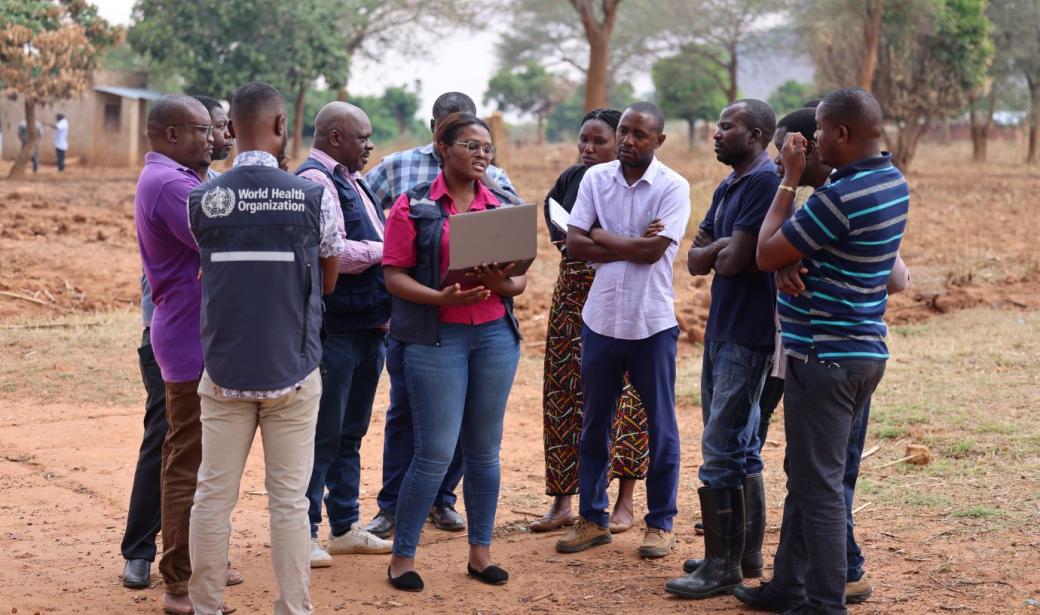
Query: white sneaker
[[320, 558], [358, 540]]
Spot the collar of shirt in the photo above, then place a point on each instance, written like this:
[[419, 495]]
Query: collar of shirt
[[329, 162], [649, 175], [763, 159], [166, 161], [867, 164], [481, 198], [429, 150], [256, 158]]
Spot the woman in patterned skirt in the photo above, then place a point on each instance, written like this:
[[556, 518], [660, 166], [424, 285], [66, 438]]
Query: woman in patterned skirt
[[562, 396]]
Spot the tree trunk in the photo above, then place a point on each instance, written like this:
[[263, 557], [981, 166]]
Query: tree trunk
[[909, 138], [596, 83], [871, 39], [18, 168], [691, 133], [980, 128], [597, 34], [541, 130], [297, 140], [341, 94], [1034, 124], [402, 126]]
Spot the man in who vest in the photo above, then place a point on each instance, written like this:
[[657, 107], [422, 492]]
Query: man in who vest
[[269, 244], [354, 349]]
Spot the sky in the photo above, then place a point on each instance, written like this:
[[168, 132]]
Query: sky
[[473, 51]]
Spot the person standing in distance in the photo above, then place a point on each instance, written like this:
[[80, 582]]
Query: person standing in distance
[[268, 243]]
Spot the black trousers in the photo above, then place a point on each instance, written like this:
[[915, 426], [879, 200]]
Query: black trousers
[[822, 400], [143, 517]]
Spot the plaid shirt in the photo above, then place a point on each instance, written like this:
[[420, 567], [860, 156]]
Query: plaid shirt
[[400, 171]]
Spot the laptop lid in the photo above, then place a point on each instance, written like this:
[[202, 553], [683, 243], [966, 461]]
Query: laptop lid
[[506, 234]]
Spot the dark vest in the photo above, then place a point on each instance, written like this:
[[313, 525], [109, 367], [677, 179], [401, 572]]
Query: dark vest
[[416, 323], [258, 230], [360, 301]]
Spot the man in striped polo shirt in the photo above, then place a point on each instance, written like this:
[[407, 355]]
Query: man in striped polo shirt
[[847, 236]]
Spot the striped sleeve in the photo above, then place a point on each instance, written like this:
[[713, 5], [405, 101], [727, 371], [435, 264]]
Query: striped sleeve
[[819, 223]]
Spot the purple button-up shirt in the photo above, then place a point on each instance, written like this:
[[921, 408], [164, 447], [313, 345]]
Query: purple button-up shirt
[[170, 259]]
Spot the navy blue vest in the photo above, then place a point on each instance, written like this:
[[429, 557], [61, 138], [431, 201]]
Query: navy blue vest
[[258, 230], [416, 323], [360, 301]]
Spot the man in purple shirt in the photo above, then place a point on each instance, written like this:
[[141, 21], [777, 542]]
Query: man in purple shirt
[[180, 134]]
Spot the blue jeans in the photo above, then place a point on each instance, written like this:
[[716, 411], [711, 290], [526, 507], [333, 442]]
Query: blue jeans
[[399, 440], [350, 368], [731, 385], [458, 389], [650, 364]]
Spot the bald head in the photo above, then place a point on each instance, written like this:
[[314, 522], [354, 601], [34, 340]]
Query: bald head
[[344, 132], [174, 109], [179, 127]]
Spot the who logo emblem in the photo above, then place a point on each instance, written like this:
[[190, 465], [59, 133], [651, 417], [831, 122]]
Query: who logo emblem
[[218, 202]]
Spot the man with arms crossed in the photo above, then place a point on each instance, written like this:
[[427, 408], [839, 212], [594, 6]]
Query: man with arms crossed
[[356, 318], [847, 237], [738, 347], [393, 176], [268, 244], [630, 216]]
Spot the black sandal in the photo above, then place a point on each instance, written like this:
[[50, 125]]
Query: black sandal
[[492, 575], [409, 581]]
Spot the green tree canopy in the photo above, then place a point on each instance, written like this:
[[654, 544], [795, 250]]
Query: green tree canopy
[[531, 90], [690, 87], [790, 95]]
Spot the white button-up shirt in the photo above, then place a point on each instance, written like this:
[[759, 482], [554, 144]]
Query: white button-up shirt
[[632, 301]]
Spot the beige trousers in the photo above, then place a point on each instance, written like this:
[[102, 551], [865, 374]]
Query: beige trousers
[[287, 429]]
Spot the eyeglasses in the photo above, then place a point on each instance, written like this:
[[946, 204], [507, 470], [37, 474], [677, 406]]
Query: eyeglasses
[[475, 146], [207, 128]]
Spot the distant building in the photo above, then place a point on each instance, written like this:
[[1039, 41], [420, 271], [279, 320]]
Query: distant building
[[107, 121]]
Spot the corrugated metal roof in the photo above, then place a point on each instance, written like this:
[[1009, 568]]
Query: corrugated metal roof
[[135, 93]]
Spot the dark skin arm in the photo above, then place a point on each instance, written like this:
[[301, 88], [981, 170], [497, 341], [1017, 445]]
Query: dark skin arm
[[737, 256], [400, 284], [701, 257], [644, 250], [329, 274], [774, 250], [498, 280]]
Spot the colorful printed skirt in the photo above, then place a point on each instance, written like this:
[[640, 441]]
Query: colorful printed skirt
[[562, 393]]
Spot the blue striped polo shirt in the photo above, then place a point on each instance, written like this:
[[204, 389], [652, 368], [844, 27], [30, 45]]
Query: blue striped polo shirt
[[849, 232]]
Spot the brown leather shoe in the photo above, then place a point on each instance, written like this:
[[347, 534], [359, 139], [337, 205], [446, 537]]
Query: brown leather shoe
[[656, 543], [584, 535], [858, 591], [548, 524], [181, 605]]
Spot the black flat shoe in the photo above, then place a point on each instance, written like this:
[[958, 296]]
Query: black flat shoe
[[492, 575], [409, 581]]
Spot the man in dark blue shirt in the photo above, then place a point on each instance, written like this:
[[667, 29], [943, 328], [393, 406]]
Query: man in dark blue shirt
[[847, 238], [738, 346]]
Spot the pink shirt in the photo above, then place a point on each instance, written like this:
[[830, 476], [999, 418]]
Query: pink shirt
[[399, 250], [357, 256]]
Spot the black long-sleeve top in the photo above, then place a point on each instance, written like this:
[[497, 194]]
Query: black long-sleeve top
[[564, 192]]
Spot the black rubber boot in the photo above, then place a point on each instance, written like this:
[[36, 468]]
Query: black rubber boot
[[755, 524], [723, 513]]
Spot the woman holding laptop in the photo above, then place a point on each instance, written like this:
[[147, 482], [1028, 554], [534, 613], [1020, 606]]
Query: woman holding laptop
[[561, 395], [461, 348]]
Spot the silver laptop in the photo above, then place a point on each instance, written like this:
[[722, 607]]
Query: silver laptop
[[506, 234]]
